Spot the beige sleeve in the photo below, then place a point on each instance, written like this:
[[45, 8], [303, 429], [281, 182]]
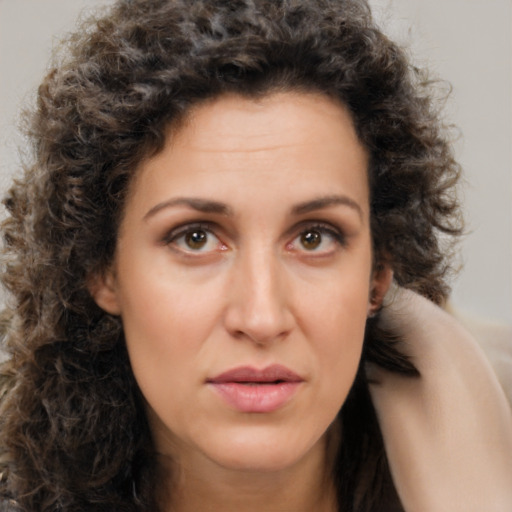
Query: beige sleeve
[[448, 434]]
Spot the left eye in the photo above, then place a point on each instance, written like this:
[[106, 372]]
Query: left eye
[[195, 239], [317, 239]]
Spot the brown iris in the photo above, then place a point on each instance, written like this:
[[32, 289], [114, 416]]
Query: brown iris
[[196, 239], [311, 240]]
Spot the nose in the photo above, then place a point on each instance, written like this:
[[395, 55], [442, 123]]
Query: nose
[[258, 307]]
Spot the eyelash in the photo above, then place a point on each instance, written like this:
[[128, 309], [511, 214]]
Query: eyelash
[[183, 230], [324, 229]]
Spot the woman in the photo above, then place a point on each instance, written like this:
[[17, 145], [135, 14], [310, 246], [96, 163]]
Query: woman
[[221, 195]]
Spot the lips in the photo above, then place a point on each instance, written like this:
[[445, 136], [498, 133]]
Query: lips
[[250, 390]]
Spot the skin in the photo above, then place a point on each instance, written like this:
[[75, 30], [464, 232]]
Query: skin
[[246, 242]]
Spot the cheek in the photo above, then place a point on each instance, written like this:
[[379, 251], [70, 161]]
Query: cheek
[[338, 306], [338, 322], [165, 328], [164, 347], [161, 303]]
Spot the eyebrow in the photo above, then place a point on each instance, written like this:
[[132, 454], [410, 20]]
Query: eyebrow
[[209, 206], [326, 202], [201, 205]]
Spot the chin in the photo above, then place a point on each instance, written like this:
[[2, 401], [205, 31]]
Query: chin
[[253, 452]]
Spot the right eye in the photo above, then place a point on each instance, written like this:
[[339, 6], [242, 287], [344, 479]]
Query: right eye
[[195, 239], [318, 239]]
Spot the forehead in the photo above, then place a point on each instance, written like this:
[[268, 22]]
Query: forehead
[[295, 143], [276, 118]]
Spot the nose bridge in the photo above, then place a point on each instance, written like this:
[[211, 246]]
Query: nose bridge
[[258, 307]]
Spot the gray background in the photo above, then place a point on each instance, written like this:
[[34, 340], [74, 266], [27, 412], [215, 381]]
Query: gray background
[[467, 42]]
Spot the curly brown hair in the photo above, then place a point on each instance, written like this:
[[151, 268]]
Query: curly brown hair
[[73, 431]]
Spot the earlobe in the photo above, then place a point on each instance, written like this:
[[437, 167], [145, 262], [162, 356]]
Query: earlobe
[[381, 281], [103, 289]]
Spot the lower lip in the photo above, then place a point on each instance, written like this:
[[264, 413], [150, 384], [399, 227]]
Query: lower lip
[[256, 398]]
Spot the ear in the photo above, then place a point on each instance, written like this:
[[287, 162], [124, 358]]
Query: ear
[[103, 288], [382, 278]]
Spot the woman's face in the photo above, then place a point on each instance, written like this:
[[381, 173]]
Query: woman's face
[[242, 276]]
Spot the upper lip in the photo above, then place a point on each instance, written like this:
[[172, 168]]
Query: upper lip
[[272, 373]]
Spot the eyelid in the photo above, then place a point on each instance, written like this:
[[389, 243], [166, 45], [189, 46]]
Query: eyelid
[[177, 231], [174, 234], [328, 228], [339, 236], [321, 225]]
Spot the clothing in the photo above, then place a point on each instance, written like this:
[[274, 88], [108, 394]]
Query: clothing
[[448, 433], [495, 339]]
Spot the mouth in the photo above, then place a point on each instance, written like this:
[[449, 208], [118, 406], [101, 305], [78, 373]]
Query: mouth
[[250, 390]]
